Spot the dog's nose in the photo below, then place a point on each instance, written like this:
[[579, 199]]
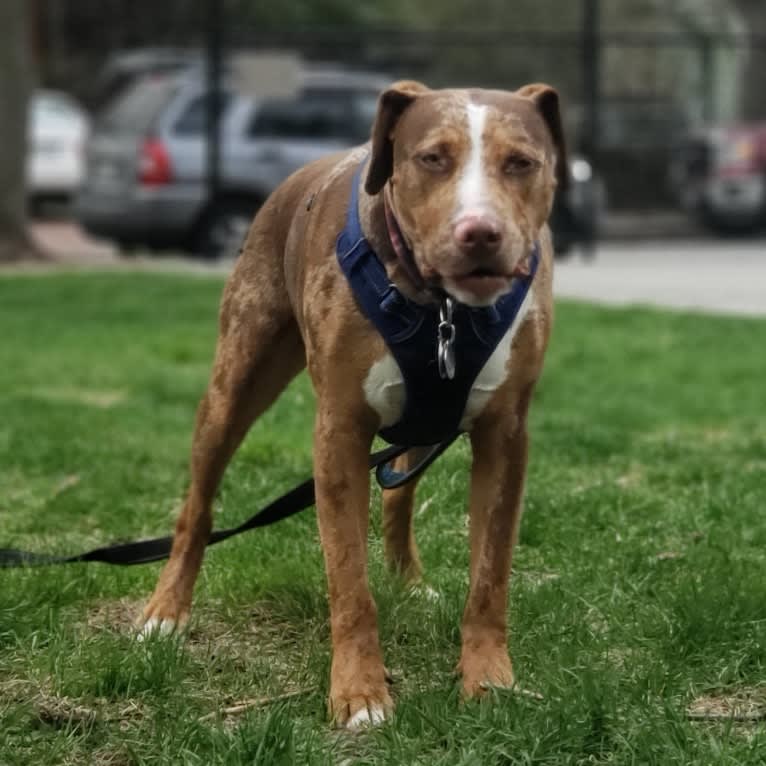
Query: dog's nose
[[476, 233]]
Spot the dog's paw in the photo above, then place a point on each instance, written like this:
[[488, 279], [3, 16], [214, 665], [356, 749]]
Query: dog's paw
[[361, 712], [156, 626], [358, 690], [366, 716], [482, 671], [161, 620]]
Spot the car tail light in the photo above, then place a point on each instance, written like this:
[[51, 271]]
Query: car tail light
[[738, 154], [154, 164]]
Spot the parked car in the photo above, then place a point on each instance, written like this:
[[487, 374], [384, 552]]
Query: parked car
[[123, 68], [719, 175], [58, 130], [578, 213], [146, 180], [147, 160]]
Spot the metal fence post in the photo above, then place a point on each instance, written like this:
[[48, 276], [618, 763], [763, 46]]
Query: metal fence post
[[591, 68], [214, 69], [708, 81]]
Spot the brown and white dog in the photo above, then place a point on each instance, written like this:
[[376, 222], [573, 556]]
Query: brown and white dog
[[470, 176]]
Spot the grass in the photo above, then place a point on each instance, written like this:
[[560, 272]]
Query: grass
[[639, 580]]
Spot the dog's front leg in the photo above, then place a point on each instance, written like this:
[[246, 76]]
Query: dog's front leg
[[497, 481], [358, 690]]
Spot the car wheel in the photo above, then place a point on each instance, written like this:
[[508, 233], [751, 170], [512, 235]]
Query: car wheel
[[223, 229]]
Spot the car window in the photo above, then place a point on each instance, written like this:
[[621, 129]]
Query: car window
[[193, 119], [314, 114], [137, 107], [49, 105]]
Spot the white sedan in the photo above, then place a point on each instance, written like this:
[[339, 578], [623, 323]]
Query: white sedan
[[58, 130]]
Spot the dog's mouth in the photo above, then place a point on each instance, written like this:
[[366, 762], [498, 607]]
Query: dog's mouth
[[483, 284], [484, 273], [486, 283]]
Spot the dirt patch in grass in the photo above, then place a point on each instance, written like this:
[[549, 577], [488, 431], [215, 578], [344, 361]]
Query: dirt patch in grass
[[536, 578], [65, 712], [239, 660], [261, 638], [118, 616], [259, 626], [693, 436], [743, 705], [258, 637], [101, 399], [108, 757], [633, 477]]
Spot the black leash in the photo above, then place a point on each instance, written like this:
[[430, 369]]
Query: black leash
[[297, 499]]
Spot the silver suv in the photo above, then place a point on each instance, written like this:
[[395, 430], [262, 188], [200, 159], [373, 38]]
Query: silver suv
[[146, 171]]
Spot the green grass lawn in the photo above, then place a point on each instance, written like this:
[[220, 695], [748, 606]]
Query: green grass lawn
[[639, 592]]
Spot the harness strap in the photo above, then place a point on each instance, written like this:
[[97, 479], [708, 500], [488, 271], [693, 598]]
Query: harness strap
[[438, 357], [403, 252], [297, 499]]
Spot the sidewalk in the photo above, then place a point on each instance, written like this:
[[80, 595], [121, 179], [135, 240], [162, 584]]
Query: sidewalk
[[726, 276], [649, 224], [65, 242]]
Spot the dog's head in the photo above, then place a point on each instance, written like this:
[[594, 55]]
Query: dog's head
[[470, 176]]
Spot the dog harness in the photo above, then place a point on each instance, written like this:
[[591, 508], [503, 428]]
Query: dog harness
[[425, 341]]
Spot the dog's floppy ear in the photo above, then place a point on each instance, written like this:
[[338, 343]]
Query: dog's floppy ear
[[391, 104], [546, 100]]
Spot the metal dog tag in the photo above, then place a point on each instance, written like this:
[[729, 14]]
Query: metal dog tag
[[446, 348]]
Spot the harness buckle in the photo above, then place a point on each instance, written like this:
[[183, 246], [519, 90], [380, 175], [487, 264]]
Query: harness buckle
[[446, 338]]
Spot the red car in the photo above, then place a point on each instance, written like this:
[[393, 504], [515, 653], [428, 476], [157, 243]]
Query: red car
[[720, 177]]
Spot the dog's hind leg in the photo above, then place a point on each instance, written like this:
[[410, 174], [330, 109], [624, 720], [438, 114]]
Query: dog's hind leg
[[259, 351], [398, 534]]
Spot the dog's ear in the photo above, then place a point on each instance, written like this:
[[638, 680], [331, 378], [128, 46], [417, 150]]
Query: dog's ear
[[546, 100], [391, 104]]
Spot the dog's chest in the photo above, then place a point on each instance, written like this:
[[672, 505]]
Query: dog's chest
[[385, 389]]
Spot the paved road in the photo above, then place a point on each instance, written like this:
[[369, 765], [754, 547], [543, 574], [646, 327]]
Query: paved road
[[727, 276]]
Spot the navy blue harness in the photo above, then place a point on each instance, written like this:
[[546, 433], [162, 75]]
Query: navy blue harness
[[434, 405]]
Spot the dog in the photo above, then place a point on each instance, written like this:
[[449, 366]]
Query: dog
[[452, 194]]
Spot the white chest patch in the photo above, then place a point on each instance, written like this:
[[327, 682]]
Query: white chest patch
[[385, 392]]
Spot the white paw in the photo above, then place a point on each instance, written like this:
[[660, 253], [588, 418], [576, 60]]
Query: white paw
[[367, 716], [156, 626]]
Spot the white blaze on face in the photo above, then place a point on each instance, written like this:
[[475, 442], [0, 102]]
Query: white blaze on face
[[472, 186]]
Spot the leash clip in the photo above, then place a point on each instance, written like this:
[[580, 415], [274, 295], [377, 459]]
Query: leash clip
[[446, 337]]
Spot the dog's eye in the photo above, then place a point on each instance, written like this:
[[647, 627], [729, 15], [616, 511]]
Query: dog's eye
[[518, 164], [433, 161]]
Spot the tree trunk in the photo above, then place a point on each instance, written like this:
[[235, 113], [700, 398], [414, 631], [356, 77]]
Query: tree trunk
[[15, 85], [753, 91]]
